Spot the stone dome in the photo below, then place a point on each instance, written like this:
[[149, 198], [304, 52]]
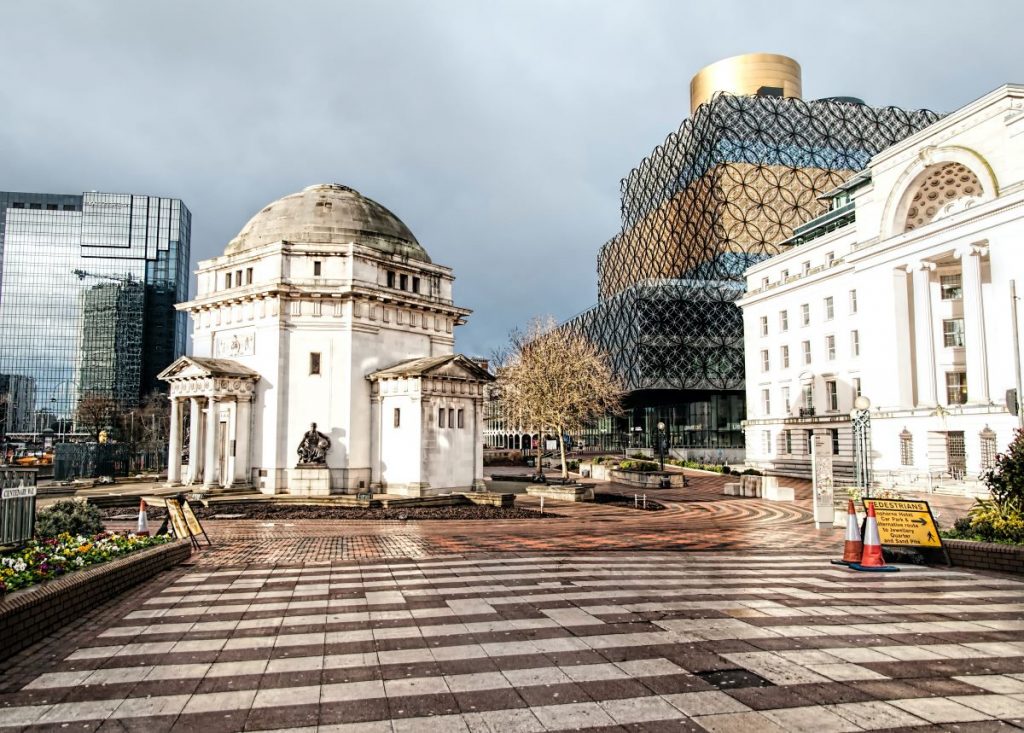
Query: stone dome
[[328, 213]]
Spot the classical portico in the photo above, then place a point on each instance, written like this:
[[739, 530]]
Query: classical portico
[[217, 395]]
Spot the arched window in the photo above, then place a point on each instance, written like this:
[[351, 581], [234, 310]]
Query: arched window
[[906, 448], [943, 190]]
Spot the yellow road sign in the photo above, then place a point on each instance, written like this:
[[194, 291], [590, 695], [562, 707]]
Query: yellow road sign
[[907, 523]]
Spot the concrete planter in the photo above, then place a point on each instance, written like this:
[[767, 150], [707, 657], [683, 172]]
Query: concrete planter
[[645, 479], [559, 492], [598, 471], [986, 555], [28, 615]]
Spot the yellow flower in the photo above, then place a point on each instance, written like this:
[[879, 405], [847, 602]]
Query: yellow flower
[[84, 548]]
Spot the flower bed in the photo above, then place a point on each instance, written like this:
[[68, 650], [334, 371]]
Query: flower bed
[[47, 559], [33, 613]]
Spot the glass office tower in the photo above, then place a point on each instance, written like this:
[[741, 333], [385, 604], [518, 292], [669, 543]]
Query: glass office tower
[[87, 291]]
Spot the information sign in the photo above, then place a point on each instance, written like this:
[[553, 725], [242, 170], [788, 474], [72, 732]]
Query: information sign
[[822, 479], [194, 525], [178, 522], [905, 523], [19, 492]]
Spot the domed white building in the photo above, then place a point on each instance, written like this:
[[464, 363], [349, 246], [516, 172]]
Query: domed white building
[[325, 309]]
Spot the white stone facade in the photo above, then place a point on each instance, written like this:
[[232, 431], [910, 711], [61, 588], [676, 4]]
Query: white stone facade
[[319, 291], [900, 293]]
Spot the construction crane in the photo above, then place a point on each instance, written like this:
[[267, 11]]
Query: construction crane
[[82, 274]]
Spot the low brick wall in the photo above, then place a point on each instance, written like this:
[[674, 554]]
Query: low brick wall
[[645, 479], [986, 555], [28, 615]]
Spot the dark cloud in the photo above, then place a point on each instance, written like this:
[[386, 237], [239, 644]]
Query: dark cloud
[[498, 131]]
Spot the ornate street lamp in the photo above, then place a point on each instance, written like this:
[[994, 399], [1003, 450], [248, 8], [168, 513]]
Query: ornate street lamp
[[861, 417]]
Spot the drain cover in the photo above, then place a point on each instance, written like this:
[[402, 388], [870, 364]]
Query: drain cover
[[725, 679]]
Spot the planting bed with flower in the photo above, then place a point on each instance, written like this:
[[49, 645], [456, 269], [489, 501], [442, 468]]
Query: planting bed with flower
[[43, 559]]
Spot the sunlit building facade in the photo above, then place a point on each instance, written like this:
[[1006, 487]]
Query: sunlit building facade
[[88, 285]]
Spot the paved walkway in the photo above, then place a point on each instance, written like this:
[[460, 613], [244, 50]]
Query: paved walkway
[[537, 642]]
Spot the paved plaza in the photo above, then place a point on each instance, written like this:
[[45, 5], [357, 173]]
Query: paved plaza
[[736, 623]]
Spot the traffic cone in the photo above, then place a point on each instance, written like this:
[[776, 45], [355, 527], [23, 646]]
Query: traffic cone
[[854, 547], [872, 559], [143, 528]]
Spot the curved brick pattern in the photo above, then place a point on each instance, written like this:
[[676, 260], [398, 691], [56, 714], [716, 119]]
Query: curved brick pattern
[[550, 641]]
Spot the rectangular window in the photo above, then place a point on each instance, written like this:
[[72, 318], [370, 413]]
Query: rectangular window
[[766, 401], [807, 352], [784, 275], [766, 442], [805, 268], [956, 388], [785, 401], [764, 325], [314, 362], [809, 441], [906, 448], [238, 278], [953, 332], [830, 347], [834, 434], [227, 279], [248, 276], [462, 418], [783, 321], [856, 387], [830, 257], [764, 283], [764, 360], [398, 417], [988, 448], [403, 281], [789, 442], [785, 357], [67, 207], [415, 284], [440, 417], [316, 268], [833, 395], [853, 301], [51, 207], [830, 311], [951, 287], [855, 343], [451, 417], [805, 315], [391, 278]]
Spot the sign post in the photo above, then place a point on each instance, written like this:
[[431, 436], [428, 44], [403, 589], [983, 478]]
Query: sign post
[[824, 487]]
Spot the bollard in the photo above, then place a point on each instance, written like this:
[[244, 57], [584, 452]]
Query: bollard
[[542, 505], [636, 501], [645, 501]]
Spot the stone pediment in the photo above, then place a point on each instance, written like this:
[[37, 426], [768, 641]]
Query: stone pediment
[[450, 366], [199, 367]]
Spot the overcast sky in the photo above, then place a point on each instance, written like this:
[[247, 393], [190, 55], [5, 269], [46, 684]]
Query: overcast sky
[[498, 131]]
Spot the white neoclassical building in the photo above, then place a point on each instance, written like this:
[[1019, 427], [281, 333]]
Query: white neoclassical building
[[325, 309], [900, 293]]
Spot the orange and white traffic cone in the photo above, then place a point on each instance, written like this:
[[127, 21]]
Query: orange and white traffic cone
[[871, 559], [143, 528], [853, 549]]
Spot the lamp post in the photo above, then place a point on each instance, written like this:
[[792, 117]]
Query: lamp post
[[861, 418], [661, 445]]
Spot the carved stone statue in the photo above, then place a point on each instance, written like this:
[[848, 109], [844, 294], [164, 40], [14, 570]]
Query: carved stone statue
[[313, 448]]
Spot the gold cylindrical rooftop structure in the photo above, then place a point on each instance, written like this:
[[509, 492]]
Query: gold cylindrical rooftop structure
[[770, 74]]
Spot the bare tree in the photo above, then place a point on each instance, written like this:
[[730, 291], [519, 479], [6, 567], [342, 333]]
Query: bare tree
[[556, 379], [95, 413]]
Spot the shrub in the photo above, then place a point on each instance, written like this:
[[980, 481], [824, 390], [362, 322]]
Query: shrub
[[70, 517], [638, 466], [637, 455], [751, 472], [1005, 480], [572, 465], [1000, 519]]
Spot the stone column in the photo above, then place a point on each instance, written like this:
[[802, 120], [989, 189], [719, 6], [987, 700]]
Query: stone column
[[174, 444], [478, 446], [377, 438], [210, 451], [974, 324], [228, 479], [195, 451], [243, 425], [904, 338], [924, 335]]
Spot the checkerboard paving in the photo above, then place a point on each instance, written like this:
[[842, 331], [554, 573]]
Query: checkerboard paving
[[537, 642]]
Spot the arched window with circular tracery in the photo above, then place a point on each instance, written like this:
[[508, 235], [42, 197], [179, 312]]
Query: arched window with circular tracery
[[943, 190]]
